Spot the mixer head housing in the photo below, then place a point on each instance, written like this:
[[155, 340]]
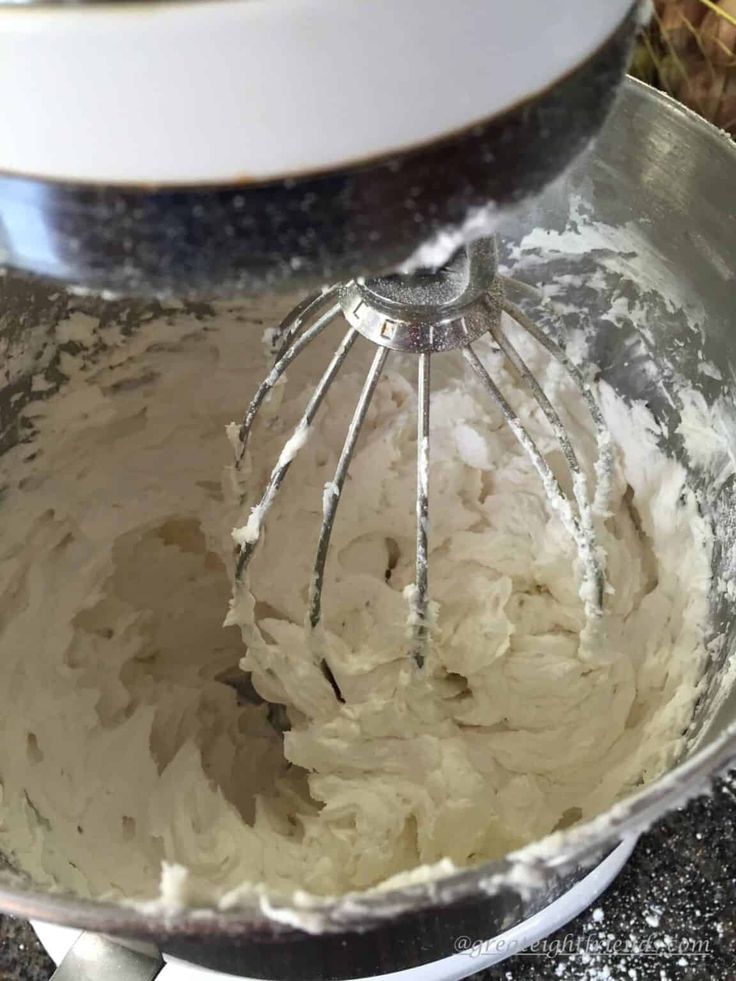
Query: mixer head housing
[[204, 149]]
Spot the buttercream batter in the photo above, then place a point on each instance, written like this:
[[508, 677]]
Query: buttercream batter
[[127, 763]]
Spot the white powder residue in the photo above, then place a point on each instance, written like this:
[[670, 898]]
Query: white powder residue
[[440, 248], [251, 531], [295, 442], [330, 492], [623, 249], [709, 434]]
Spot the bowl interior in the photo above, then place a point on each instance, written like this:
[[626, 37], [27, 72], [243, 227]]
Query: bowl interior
[[639, 236]]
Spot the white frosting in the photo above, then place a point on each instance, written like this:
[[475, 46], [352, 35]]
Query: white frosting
[[119, 748]]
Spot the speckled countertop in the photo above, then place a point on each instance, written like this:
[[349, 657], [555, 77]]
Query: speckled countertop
[[672, 910]]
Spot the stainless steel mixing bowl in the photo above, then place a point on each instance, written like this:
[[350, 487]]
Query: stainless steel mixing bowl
[[649, 215]]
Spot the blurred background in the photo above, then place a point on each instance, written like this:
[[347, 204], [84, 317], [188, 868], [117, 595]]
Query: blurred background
[[689, 51]]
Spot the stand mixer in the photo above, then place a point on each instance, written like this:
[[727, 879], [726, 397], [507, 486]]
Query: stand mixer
[[210, 150]]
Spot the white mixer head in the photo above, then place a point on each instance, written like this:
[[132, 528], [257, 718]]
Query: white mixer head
[[194, 148], [237, 91]]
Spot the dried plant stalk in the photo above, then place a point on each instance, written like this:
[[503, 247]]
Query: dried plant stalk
[[689, 50]]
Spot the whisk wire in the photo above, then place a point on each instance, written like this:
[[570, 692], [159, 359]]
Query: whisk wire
[[556, 494], [333, 490], [583, 524], [420, 593], [295, 320], [292, 447], [603, 437], [281, 364]]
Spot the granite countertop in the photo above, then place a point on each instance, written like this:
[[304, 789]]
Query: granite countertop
[[677, 891]]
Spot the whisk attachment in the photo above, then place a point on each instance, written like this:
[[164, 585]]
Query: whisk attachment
[[427, 313]]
